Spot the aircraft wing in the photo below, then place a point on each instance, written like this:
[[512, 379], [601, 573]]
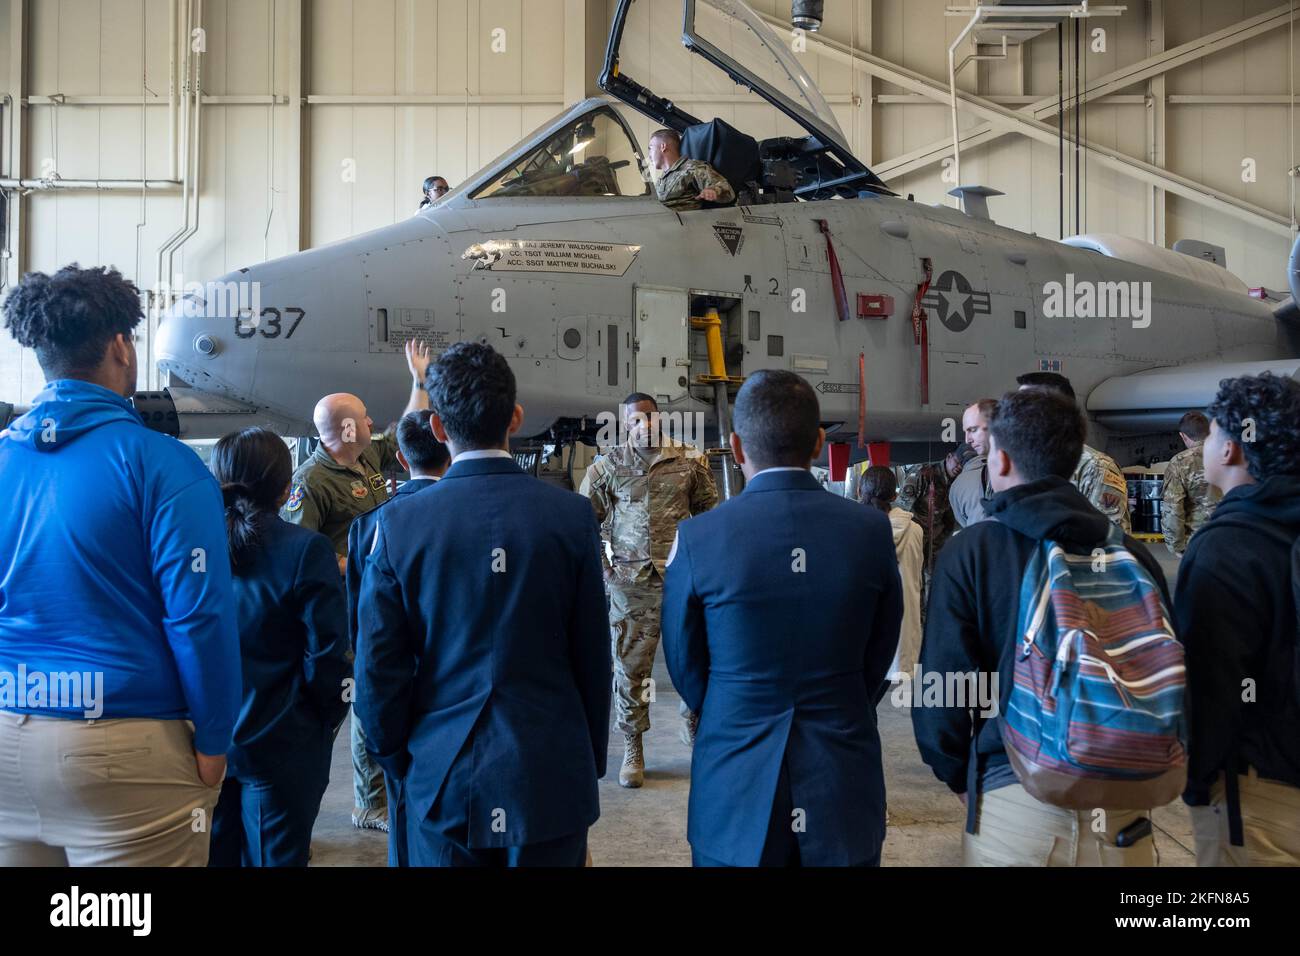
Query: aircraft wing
[[1157, 398]]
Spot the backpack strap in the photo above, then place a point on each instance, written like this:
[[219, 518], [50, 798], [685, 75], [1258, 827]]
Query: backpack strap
[[972, 782], [973, 764]]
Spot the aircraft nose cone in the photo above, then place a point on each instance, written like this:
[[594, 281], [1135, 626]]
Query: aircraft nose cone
[[204, 321], [184, 332]]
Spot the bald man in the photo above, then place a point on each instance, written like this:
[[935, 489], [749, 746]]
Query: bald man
[[346, 477]]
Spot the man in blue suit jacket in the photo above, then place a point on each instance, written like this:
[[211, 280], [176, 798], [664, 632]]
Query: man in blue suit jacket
[[781, 614], [483, 661], [426, 459]]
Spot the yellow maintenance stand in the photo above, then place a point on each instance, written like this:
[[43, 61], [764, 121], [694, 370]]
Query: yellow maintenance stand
[[711, 325]]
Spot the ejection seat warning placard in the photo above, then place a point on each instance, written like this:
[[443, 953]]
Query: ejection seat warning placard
[[552, 255]]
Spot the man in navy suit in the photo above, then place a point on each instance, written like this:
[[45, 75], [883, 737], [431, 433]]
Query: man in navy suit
[[781, 614], [483, 661], [427, 460]]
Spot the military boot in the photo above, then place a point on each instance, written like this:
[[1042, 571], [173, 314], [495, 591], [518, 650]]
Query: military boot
[[632, 773]]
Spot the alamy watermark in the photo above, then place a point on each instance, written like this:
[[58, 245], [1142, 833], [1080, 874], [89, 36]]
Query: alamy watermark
[[75, 909], [1085, 299], [214, 300], [969, 690], [650, 430], [53, 690]]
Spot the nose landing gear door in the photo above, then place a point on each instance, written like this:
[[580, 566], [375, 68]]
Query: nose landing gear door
[[662, 342]]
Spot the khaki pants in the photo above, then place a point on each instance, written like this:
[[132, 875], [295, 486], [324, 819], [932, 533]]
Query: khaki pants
[[1270, 821], [101, 793], [1017, 830]]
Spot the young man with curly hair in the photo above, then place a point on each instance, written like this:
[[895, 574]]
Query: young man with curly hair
[[1236, 614], [114, 577]]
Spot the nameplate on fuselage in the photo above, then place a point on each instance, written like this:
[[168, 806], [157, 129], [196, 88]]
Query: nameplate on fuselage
[[552, 255]]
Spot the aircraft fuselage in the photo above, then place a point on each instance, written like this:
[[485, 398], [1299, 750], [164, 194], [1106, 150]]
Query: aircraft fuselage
[[587, 298]]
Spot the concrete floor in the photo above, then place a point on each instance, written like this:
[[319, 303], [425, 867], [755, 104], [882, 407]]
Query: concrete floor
[[647, 827]]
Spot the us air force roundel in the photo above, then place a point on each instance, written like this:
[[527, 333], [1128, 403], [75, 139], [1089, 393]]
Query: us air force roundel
[[295, 498], [956, 302]]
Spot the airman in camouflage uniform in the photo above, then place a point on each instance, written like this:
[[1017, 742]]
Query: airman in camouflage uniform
[[684, 183], [923, 490], [640, 490], [1099, 479], [1188, 499]]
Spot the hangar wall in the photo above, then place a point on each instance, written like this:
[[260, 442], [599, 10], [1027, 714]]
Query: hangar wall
[[321, 117]]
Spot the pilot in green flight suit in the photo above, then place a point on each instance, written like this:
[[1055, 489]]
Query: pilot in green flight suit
[[326, 495], [346, 477]]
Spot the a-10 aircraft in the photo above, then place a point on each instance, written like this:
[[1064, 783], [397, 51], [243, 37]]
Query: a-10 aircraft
[[559, 255]]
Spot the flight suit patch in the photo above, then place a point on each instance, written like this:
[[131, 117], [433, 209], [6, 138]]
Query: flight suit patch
[[295, 498], [377, 483], [359, 489]]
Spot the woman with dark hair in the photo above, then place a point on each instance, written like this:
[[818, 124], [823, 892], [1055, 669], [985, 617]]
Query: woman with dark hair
[[879, 489], [294, 646], [433, 189]]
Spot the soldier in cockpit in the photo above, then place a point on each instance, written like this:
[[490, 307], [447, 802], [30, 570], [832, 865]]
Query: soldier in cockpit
[[683, 183]]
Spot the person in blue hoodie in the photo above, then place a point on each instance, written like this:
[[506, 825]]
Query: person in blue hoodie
[[119, 657], [296, 665], [1235, 607]]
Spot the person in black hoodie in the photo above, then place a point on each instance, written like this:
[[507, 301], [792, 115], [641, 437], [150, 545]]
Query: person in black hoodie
[[1235, 608], [1036, 440], [293, 641]]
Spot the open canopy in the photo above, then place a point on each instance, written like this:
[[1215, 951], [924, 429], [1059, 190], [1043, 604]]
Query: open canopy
[[723, 44]]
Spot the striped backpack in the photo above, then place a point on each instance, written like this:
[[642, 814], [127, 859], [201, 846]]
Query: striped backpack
[[1095, 717]]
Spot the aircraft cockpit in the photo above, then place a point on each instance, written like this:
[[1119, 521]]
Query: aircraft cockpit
[[768, 130], [663, 58], [593, 155]]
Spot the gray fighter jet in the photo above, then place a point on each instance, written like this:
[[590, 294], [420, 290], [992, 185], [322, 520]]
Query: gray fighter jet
[[559, 255]]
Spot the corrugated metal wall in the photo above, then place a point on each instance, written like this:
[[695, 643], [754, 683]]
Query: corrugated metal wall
[[486, 72]]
